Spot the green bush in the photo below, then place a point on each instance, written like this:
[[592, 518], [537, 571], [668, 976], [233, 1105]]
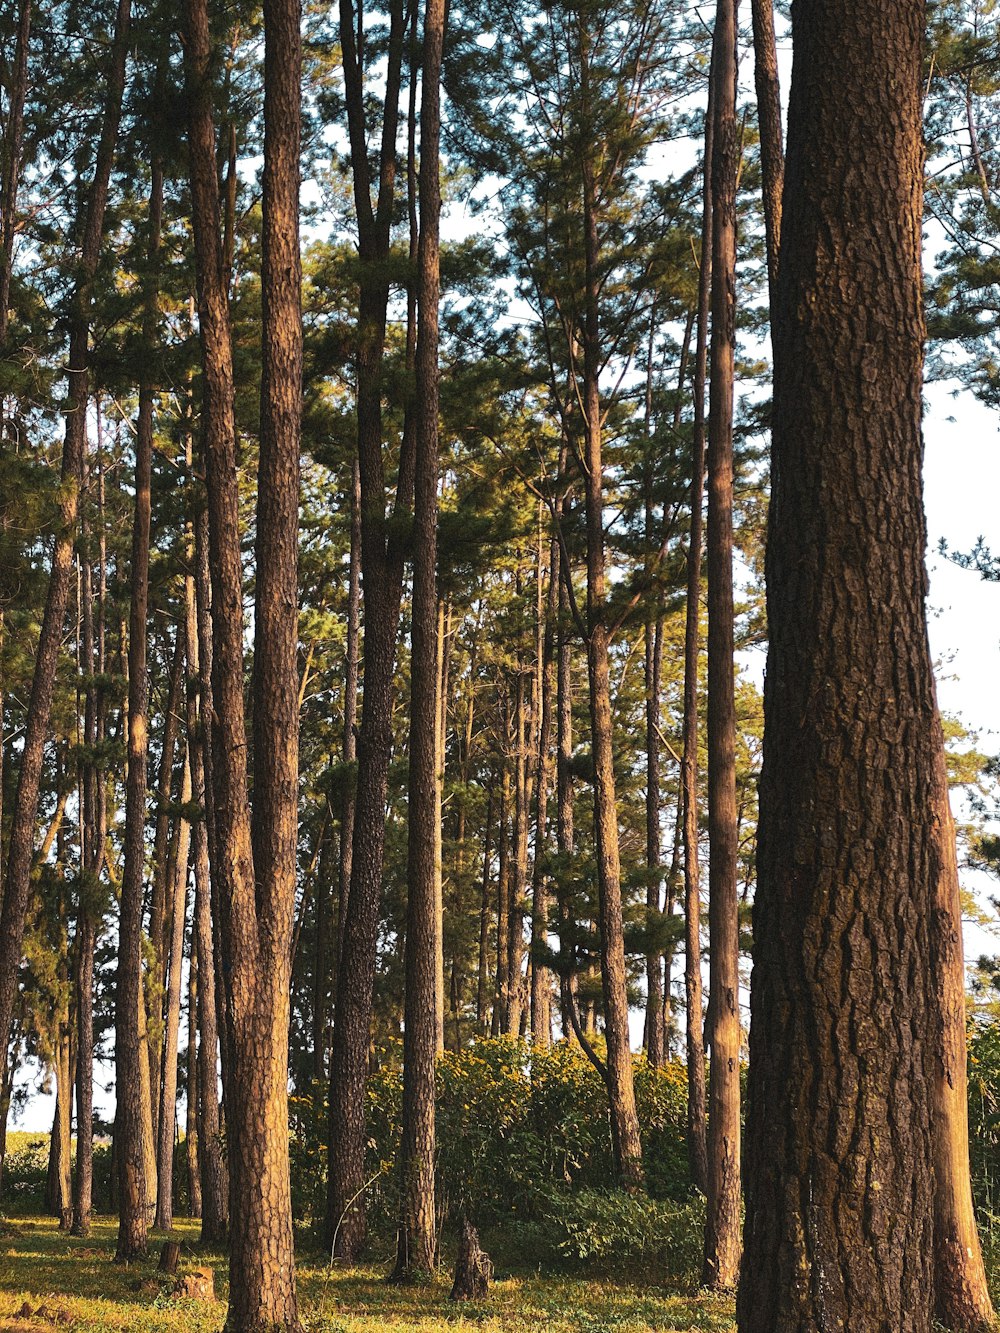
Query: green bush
[[25, 1170], [516, 1125], [610, 1228]]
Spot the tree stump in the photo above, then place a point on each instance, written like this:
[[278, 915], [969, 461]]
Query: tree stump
[[198, 1285], [170, 1257], [473, 1268]]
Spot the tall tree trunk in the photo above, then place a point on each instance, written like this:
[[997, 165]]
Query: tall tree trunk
[[417, 1236], [483, 971], [621, 1090], [257, 911], [501, 1000], [191, 1133], [564, 777], [518, 883], [653, 653], [440, 740], [25, 812], [541, 977], [772, 157], [137, 1189], [382, 581], [156, 980], [840, 1190], [167, 1118], [10, 161], [694, 1016], [722, 1230], [962, 1294]]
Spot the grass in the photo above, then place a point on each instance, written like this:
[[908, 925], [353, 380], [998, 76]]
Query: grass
[[77, 1287]]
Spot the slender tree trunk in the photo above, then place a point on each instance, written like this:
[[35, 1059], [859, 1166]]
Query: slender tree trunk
[[483, 971], [25, 812], [962, 1300], [694, 1016], [541, 977], [191, 1132], [621, 1091], [772, 157], [167, 1118], [501, 1001], [653, 646], [10, 161], [417, 1236], [156, 981], [440, 735], [137, 1189], [381, 579], [840, 1189], [518, 882], [722, 1231], [564, 779]]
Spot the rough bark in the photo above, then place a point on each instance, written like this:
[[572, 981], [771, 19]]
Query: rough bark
[[722, 1229], [417, 1234], [840, 1196], [381, 579], [191, 1132], [25, 811], [256, 913], [772, 156]]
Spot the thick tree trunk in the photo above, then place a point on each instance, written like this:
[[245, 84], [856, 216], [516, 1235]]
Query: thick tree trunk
[[722, 1230], [417, 1235], [257, 912], [840, 1191], [25, 812]]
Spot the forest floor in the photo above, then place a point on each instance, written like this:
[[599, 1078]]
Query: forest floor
[[51, 1281]]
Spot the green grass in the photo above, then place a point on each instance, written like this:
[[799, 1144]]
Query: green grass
[[81, 1289]]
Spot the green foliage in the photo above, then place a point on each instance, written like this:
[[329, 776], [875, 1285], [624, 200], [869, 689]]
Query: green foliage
[[516, 1128], [612, 1228]]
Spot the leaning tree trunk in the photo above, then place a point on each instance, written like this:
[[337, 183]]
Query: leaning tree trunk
[[722, 1229], [25, 812], [417, 1235], [840, 1188]]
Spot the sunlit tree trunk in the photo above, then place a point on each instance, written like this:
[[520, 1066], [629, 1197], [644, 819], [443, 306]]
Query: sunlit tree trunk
[[722, 1230], [840, 1188]]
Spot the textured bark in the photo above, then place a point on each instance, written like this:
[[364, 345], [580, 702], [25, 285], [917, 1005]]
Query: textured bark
[[417, 1235], [25, 812], [772, 157], [440, 742], [83, 1183], [382, 581], [962, 1294], [722, 1229], [564, 778], [501, 999], [655, 1019], [256, 913], [840, 1197]]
